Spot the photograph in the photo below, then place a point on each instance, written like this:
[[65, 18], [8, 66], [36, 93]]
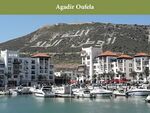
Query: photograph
[[74, 63]]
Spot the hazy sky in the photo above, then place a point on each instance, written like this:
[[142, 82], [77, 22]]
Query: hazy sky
[[13, 26]]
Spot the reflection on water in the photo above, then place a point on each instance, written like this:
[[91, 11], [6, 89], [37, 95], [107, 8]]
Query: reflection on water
[[60, 100], [83, 100], [39, 100]]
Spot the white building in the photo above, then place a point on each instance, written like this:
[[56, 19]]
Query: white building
[[125, 65], [141, 61], [88, 55], [2, 72], [108, 63], [26, 70]]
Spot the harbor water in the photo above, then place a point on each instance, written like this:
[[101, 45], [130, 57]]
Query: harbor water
[[31, 104]]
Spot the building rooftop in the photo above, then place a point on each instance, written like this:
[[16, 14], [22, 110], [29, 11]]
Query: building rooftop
[[108, 53], [41, 55], [124, 56], [141, 54]]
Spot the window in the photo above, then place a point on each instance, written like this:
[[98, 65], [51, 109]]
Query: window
[[15, 76], [51, 66], [2, 65], [32, 72], [33, 67], [50, 77], [88, 63], [1, 71], [32, 77], [46, 71], [88, 57], [9, 68], [130, 69], [130, 65], [41, 71], [33, 61], [9, 60], [138, 68], [51, 72]]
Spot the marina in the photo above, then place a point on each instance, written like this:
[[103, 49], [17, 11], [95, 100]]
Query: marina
[[77, 68]]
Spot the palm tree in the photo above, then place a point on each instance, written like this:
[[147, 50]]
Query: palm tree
[[122, 75], [146, 71], [6, 76], [94, 78], [133, 74], [64, 77], [111, 75]]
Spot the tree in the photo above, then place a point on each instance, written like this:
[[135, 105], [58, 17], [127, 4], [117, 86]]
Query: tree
[[64, 77], [122, 75], [94, 78], [146, 71], [133, 74], [111, 75]]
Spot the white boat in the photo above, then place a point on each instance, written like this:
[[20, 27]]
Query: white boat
[[2, 93], [23, 90], [138, 92], [84, 93], [148, 99], [63, 91], [44, 92], [119, 93], [13, 92], [101, 92]]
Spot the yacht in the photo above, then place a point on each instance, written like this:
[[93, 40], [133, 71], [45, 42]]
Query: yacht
[[63, 91], [119, 93], [84, 93], [13, 92], [44, 92], [2, 92], [138, 92], [23, 90], [148, 99], [101, 92]]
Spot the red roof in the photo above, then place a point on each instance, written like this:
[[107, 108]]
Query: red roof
[[41, 55], [108, 53], [141, 55], [123, 56]]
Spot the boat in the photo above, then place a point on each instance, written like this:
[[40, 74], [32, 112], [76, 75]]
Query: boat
[[44, 92], [13, 92], [84, 93], [2, 93], [138, 92], [148, 99], [119, 93], [64, 91], [101, 92], [23, 90]]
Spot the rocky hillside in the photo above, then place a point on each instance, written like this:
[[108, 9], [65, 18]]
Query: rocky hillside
[[68, 39]]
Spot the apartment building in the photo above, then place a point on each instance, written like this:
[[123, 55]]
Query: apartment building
[[117, 63], [88, 56], [125, 65], [141, 62], [26, 70], [2, 72]]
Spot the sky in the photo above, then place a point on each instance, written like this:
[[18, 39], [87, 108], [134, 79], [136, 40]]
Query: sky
[[14, 26]]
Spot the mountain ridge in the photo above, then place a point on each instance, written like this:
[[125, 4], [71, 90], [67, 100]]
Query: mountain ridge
[[65, 38]]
